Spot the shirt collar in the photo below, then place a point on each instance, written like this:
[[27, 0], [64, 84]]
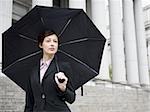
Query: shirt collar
[[45, 62]]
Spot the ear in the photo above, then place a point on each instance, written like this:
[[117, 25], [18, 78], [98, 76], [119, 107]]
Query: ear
[[40, 46]]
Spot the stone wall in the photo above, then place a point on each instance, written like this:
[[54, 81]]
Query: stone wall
[[100, 98]]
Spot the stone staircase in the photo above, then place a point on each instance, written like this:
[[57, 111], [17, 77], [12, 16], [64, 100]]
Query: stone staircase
[[99, 98], [11, 96]]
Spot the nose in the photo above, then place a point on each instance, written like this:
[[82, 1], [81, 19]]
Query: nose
[[51, 44]]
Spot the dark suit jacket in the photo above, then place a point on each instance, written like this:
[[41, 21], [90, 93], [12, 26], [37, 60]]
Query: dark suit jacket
[[47, 97]]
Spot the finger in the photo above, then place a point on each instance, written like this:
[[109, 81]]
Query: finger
[[61, 76], [56, 80], [65, 78]]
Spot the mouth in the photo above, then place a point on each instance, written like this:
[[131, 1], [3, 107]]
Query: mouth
[[51, 49]]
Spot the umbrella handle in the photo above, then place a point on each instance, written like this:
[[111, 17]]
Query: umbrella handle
[[58, 70]]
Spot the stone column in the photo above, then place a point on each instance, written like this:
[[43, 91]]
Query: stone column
[[98, 13], [130, 43], [80, 4], [141, 43], [117, 44], [42, 2], [5, 20], [148, 53]]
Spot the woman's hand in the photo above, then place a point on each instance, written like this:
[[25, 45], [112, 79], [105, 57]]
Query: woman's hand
[[61, 80]]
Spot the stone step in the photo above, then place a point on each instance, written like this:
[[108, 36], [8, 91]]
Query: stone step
[[98, 98]]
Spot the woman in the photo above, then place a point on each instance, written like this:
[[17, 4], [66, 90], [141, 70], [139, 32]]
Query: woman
[[48, 88]]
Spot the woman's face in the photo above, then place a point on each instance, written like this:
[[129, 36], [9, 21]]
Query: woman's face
[[50, 45]]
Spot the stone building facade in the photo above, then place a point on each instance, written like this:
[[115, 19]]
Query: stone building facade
[[123, 83]]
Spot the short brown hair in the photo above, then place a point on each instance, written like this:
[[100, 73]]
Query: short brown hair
[[44, 34]]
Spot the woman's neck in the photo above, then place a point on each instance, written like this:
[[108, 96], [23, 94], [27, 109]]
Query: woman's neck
[[47, 57]]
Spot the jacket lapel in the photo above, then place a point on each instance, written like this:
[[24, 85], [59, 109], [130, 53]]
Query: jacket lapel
[[51, 69], [36, 69], [37, 73]]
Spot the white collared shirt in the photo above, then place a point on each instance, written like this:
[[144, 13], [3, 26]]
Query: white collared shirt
[[43, 67]]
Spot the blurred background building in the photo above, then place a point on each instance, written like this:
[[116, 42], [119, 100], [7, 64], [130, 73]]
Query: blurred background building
[[123, 83], [146, 10]]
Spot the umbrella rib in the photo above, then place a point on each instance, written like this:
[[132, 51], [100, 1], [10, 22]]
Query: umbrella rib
[[79, 40], [21, 59], [67, 24], [79, 61], [42, 20], [25, 37], [62, 31], [73, 41]]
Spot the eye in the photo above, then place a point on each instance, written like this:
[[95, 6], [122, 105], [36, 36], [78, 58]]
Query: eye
[[55, 41], [48, 40]]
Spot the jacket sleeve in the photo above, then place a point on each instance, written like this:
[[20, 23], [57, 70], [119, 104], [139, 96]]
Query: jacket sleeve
[[29, 101], [69, 94]]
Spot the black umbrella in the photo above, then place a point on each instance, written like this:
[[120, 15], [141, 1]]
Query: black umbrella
[[81, 43]]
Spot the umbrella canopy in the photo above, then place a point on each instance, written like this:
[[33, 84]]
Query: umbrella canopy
[[81, 43]]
